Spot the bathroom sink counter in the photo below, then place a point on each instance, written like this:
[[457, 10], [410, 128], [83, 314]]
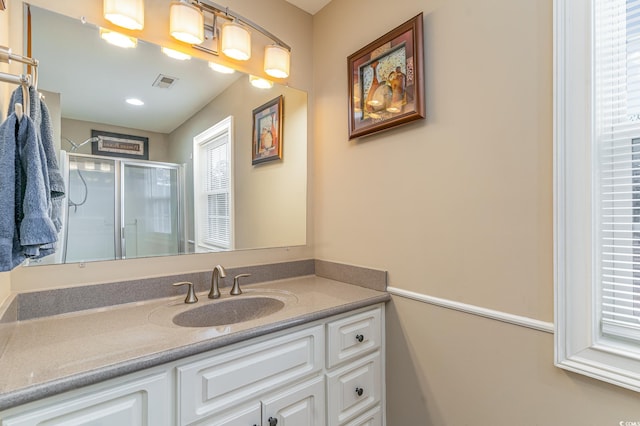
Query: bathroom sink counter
[[49, 355]]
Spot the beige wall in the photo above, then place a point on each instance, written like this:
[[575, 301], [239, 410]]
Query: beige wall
[[290, 24], [278, 187], [458, 206]]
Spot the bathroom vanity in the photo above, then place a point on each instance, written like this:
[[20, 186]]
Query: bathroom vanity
[[319, 360]]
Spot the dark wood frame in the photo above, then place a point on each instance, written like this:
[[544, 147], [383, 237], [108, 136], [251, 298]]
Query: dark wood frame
[[137, 146], [403, 98], [275, 109]]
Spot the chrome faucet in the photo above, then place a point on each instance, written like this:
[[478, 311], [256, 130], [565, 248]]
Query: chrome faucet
[[218, 272]]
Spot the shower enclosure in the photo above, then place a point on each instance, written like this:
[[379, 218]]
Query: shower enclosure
[[119, 208]]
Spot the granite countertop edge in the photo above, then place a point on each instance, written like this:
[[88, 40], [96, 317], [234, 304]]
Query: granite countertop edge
[[43, 390]]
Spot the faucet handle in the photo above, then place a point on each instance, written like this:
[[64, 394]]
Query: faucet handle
[[191, 295], [236, 284]]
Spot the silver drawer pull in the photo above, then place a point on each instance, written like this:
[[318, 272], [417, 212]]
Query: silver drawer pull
[[359, 391], [272, 421], [359, 337]]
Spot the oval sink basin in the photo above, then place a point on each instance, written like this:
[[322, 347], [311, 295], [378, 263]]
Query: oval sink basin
[[230, 311]]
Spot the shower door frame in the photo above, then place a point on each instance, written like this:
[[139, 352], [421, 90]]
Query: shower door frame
[[119, 206]]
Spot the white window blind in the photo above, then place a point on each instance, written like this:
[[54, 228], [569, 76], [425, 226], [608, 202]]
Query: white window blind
[[213, 188], [216, 227], [617, 177]]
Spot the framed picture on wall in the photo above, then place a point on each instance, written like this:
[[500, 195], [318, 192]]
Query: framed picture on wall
[[267, 131], [386, 81], [119, 145]]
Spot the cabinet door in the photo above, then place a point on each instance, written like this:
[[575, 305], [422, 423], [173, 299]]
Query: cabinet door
[[143, 402], [226, 379], [301, 405], [249, 415], [353, 389]]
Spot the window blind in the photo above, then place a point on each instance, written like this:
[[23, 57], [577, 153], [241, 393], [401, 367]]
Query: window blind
[[617, 136], [216, 221]]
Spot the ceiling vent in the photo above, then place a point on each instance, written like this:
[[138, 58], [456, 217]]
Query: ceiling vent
[[164, 81]]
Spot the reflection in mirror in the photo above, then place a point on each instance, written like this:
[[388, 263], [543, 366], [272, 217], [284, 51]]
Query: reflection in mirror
[[130, 199]]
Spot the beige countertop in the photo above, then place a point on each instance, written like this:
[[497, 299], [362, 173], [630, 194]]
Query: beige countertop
[[49, 355]]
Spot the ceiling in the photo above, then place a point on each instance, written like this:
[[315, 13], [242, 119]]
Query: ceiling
[[310, 6]]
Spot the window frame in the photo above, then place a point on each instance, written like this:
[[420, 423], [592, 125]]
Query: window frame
[[223, 127], [579, 345]]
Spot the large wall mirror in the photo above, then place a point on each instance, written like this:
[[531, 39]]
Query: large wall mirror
[[130, 169]]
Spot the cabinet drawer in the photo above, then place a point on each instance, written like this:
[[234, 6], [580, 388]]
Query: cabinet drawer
[[370, 418], [354, 388], [353, 336], [141, 402], [234, 376]]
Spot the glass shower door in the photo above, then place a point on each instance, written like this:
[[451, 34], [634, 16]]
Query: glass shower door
[[151, 210], [92, 219]]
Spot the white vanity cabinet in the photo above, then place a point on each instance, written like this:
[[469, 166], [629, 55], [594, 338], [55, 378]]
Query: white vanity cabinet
[[355, 381], [132, 401], [327, 372], [258, 371]]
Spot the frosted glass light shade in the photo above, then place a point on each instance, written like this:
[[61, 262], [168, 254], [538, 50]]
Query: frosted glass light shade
[[236, 41], [186, 23], [124, 13], [276, 61]]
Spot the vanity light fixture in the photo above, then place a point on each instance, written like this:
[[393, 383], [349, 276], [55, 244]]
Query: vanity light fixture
[[221, 68], [230, 34], [118, 39], [124, 13], [276, 61], [236, 41], [174, 54], [260, 82], [186, 22]]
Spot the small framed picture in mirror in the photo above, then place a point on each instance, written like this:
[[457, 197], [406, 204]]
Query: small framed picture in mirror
[[267, 131], [119, 145]]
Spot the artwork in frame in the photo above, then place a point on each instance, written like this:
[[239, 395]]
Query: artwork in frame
[[267, 131], [119, 145], [386, 81]]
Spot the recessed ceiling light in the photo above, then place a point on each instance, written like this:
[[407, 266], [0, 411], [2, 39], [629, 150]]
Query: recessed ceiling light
[[135, 101]]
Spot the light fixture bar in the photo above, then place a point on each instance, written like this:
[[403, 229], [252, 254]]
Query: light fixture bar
[[218, 10]]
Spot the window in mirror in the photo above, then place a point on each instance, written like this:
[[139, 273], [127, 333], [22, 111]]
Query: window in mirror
[[213, 196]]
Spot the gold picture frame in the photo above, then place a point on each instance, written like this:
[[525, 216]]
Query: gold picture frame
[[267, 131]]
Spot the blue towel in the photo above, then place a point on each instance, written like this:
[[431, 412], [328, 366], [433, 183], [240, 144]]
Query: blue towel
[[40, 115], [25, 222]]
